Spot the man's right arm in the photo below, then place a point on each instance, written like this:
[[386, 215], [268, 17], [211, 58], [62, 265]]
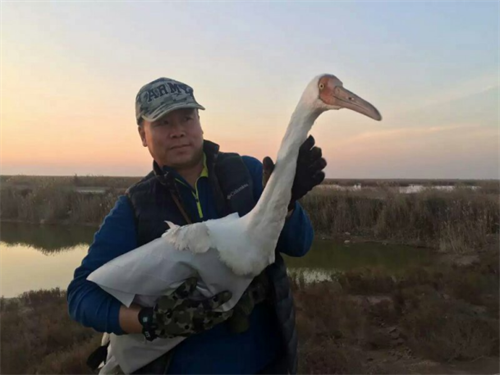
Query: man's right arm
[[93, 307], [88, 303]]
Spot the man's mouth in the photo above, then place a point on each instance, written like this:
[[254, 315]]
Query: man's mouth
[[178, 147]]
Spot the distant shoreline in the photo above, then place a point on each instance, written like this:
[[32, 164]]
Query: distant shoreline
[[64, 223], [450, 220]]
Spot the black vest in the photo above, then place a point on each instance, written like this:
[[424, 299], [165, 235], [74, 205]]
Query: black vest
[[153, 201]]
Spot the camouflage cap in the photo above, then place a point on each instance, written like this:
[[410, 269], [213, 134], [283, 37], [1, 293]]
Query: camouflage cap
[[162, 96]]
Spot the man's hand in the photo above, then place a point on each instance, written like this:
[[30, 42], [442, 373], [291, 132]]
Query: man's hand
[[179, 315], [308, 174]]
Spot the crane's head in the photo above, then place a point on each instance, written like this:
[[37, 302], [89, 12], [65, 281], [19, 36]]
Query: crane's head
[[329, 93]]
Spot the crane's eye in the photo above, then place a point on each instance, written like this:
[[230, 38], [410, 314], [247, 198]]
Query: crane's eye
[[321, 86]]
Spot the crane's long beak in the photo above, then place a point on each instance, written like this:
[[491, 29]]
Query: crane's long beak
[[347, 99]]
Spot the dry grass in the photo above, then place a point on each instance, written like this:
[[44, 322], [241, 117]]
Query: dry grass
[[345, 326], [36, 330], [82, 181], [455, 221], [444, 313], [332, 330], [53, 202], [446, 330]]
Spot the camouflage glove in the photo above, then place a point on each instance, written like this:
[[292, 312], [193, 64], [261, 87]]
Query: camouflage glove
[[308, 174], [257, 292], [178, 315]]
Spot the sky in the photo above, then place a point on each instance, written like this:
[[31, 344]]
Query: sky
[[70, 72]]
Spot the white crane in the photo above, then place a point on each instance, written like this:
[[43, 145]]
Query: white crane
[[224, 254]]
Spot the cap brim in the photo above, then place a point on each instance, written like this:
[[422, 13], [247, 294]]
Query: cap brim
[[170, 108]]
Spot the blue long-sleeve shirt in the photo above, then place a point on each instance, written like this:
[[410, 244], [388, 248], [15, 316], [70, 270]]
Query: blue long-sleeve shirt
[[247, 352]]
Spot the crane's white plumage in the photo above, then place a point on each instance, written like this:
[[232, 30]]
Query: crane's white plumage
[[225, 254]]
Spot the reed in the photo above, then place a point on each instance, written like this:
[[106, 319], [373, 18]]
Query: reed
[[53, 202], [82, 181], [451, 221]]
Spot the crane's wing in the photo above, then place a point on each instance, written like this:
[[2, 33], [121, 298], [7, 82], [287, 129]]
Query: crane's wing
[[157, 268]]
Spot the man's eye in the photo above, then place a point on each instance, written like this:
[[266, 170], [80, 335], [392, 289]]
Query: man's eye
[[189, 118]]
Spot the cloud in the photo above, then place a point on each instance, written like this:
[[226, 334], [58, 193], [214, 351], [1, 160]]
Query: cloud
[[444, 151], [403, 133], [461, 89]]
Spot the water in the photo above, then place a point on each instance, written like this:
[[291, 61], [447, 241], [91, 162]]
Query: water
[[40, 257], [43, 257], [410, 189], [326, 256]]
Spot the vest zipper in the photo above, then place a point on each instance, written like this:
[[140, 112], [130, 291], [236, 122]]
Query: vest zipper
[[196, 197]]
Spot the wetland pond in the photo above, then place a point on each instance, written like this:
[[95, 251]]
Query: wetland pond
[[45, 256]]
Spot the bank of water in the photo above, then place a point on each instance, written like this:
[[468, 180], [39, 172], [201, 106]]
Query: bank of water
[[43, 257], [328, 257]]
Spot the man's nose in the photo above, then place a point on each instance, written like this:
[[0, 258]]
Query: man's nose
[[177, 130]]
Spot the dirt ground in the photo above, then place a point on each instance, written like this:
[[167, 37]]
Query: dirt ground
[[401, 361]]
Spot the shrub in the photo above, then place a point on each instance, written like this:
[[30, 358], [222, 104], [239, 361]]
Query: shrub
[[449, 330], [38, 326]]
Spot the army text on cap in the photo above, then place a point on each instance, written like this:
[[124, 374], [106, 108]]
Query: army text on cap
[[169, 88]]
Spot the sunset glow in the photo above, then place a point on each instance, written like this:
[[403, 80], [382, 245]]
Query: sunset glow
[[70, 73]]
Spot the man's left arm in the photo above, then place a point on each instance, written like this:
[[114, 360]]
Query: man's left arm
[[297, 234]]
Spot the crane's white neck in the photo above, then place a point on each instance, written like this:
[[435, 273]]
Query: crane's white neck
[[268, 216]]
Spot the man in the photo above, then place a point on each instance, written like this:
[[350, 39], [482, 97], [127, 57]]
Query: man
[[192, 181]]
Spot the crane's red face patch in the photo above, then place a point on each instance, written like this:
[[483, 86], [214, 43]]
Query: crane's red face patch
[[326, 86]]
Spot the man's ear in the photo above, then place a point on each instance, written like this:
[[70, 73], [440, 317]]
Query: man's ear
[[198, 115], [142, 134]]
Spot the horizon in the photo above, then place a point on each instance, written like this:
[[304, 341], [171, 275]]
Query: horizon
[[67, 91], [326, 178]]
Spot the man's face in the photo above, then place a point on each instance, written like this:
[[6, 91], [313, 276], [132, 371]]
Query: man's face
[[174, 140]]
